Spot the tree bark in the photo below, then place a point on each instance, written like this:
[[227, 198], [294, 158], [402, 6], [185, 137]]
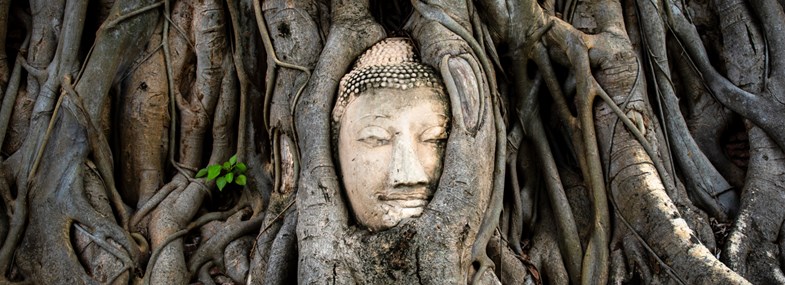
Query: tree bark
[[591, 142]]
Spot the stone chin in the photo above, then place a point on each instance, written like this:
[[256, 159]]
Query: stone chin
[[398, 211]]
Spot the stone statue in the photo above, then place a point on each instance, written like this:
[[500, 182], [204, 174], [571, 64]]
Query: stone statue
[[390, 125]]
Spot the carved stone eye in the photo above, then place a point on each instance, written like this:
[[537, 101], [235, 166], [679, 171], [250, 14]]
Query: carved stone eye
[[374, 136], [435, 134]]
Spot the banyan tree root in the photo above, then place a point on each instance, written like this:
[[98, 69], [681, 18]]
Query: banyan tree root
[[40, 57], [269, 260], [545, 253], [754, 246], [421, 256], [142, 159], [627, 176], [322, 214], [706, 187], [604, 48], [446, 43], [66, 215], [47, 258], [213, 96]]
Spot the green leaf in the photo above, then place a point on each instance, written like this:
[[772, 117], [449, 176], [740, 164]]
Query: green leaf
[[240, 180], [233, 160], [213, 171], [202, 172], [229, 177], [241, 167], [221, 182], [227, 166]]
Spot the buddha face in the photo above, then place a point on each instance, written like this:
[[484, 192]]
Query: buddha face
[[390, 147]]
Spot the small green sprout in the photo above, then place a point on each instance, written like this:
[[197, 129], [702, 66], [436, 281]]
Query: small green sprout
[[229, 172]]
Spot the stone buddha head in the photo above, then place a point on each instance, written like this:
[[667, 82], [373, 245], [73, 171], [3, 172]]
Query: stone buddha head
[[390, 126]]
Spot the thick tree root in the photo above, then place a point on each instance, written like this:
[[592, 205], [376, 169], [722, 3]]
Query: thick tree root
[[9, 97], [468, 87], [322, 214], [237, 258], [754, 247], [166, 244], [142, 157], [545, 254], [512, 267], [262, 256], [281, 268], [706, 187], [529, 114], [60, 215], [213, 249]]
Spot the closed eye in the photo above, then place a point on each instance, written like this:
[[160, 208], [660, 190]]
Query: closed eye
[[436, 134], [374, 136]]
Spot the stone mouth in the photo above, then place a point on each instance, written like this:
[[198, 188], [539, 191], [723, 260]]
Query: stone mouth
[[408, 203], [412, 199], [418, 194]]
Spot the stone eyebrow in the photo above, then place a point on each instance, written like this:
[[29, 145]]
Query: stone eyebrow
[[375, 116]]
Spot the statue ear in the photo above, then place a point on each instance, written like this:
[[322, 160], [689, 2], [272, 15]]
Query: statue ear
[[465, 88]]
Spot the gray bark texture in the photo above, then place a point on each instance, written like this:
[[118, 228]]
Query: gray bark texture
[[591, 142]]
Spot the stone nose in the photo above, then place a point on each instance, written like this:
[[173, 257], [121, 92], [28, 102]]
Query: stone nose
[[406, 167]]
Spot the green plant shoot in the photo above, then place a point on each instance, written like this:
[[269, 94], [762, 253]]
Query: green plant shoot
[[230, 171]]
